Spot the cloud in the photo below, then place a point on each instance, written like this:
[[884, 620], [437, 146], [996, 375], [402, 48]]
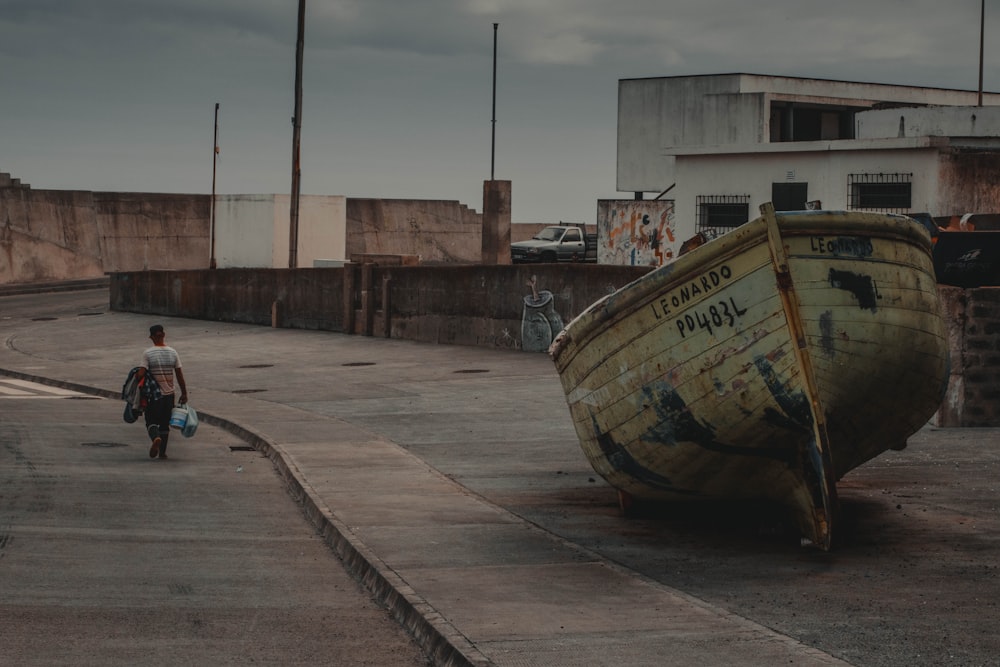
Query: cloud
[[119, 94]]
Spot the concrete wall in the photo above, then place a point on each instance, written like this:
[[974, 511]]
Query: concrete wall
[[491, 306], [244, 231], [59, 235], [496, 223], [152, 232], [48, 236], [968, 182], [656, 113], [253, 230], [437, 231], [52, 235], [973, 397], [306, 298], [928, 122], [6, 181]]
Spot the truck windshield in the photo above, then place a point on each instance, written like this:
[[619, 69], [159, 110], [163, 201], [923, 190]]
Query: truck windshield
[[550, 234]]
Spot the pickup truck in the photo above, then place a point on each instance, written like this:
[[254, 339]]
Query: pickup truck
[[556, 243]]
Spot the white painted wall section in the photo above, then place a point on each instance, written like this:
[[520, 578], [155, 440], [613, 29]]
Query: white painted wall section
[[252, 231]]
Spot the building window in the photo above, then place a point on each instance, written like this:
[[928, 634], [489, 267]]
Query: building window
[[791, 121], [888, 193], [722, 213]]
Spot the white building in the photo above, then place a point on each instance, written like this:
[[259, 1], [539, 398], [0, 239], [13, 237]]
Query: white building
[[711, 149]]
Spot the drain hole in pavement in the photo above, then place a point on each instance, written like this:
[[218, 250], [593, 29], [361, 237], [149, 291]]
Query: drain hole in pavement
[[87, 314], [83, 398], [359, 363], [43, 319], [257, 366], [103, 444], [248, 391], [473, 370], [240, 448]]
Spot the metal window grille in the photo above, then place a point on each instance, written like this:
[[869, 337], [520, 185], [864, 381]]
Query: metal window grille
[[718, 214], [886, 193]]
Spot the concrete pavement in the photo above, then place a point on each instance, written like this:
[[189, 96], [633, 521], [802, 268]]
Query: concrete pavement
[[417, 462], [110, 559]]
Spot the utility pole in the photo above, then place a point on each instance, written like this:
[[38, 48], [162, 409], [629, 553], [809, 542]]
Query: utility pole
[[293, 213], [211, 214], [493, 141]]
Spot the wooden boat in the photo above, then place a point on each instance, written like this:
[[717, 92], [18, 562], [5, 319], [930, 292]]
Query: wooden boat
[[765, 364]]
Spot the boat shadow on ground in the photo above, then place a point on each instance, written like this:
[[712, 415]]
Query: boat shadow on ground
[[593, 517]]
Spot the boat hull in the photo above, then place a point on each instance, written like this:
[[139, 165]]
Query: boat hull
[[766, 364]]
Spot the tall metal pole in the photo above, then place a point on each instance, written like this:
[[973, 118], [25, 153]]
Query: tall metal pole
[[293, 213], [493, 140], [211, 214], [982, 24]]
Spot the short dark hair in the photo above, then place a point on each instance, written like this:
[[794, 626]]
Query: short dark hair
[[155, 329]]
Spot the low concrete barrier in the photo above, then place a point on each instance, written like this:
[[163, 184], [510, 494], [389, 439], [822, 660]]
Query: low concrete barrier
[[518, 307], [454, 304]]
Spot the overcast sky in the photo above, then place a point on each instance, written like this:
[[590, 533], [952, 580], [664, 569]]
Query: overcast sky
[[119, 95]]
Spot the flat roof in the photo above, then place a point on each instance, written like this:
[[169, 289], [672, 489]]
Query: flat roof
[[802, 78]]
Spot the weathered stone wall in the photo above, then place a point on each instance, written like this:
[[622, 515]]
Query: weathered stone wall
[[496, 223], [53, 235], [437, 231], [143, 231], [48, 235], [968, 182], [973, 396], [58, 235]]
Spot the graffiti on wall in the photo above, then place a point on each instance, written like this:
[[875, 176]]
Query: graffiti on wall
[[540, 323], [636, 232]]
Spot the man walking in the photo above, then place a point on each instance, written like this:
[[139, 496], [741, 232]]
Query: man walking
[[162, 363]]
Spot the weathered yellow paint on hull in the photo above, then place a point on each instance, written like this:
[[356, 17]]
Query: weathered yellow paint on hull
[[744, 370]]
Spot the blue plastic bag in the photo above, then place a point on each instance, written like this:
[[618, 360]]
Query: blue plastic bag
[[191, 425]]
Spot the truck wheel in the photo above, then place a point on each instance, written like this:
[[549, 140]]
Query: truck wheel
[[549, 257]]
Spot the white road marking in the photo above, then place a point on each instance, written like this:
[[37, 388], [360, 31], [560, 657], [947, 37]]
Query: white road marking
[[14, 388], [11, 391]]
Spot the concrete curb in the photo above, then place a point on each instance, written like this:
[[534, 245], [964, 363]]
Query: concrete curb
[[440, 640]]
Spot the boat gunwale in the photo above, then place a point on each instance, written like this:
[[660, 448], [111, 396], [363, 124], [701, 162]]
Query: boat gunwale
[[597, 316]]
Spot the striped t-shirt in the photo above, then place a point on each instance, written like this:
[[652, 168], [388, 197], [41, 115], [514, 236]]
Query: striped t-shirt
[[161, 360]]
